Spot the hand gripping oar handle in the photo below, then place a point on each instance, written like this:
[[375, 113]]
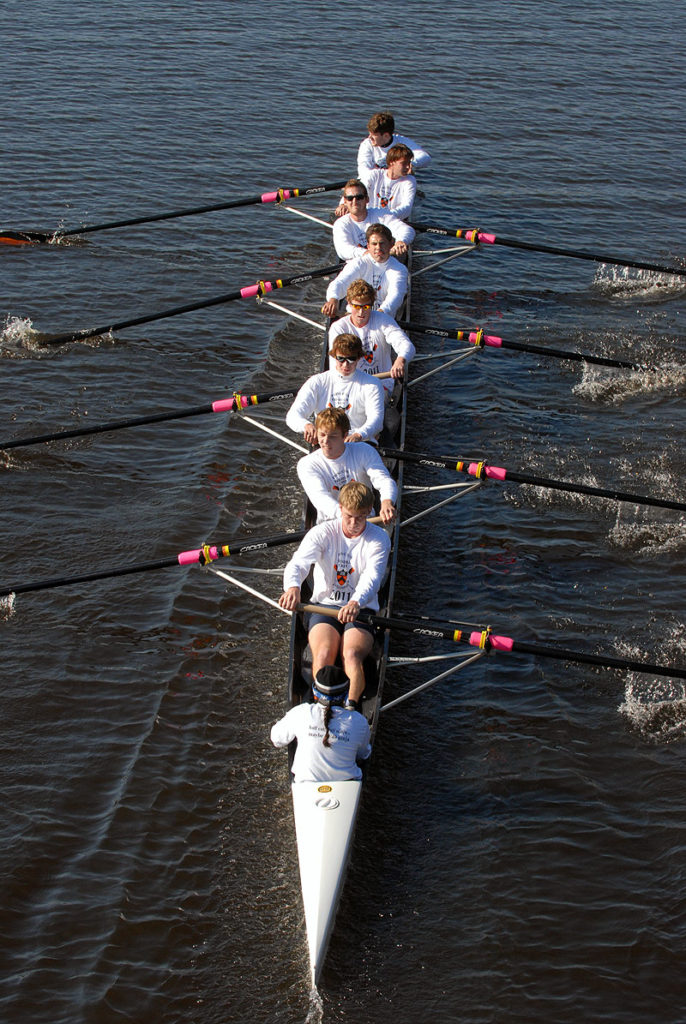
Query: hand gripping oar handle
[[276, 196], [482, 471], [488, 238], [250, 291], [480, 340], [203, 556], [487, 641], [233, 404]]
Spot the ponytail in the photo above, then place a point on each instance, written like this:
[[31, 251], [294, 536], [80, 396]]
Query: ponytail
[[327, 718]]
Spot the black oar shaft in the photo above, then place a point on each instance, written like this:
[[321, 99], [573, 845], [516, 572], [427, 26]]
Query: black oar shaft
[[480, 470], [247, 292], [519, 346], [487, 641], [208, 553], [596, 492], [602, 660], [274, 196], [228, 405], [593, 256], [485, 237]]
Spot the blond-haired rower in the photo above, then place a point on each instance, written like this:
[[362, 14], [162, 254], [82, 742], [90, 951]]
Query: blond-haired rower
[[349, 556], [324, 472]]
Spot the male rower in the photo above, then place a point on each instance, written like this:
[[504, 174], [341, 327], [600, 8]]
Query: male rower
[[344, 386], [379, 333], [325, 471], [349, 236], [386, 274], [349, 556], [382, 135], [394, 188]]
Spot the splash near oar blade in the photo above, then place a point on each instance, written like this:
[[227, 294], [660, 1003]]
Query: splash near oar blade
[[250, 291], [278, 195], [477, 237], [196, 556], [482, 471]]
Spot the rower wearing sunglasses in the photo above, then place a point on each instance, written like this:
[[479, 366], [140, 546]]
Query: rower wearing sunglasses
[[354, 217], [386, 274], [343, 386], [387, 349]]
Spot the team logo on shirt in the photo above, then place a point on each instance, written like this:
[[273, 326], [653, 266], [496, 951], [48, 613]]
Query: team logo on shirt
[[342, 575], [369, 356]]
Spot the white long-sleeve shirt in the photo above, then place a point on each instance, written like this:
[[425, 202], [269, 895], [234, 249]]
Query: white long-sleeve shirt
[[369, 157], [349, 236], [380, 338], [313, 762], [345, 569], [389, 281], [323, 478], [394, 195], [361, 396]]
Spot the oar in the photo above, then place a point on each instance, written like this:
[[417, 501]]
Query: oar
[[232, 404], [479, 339], [250, 291], [485, 237], [277, 196], [480, 470], [203, 556], [485, 640]]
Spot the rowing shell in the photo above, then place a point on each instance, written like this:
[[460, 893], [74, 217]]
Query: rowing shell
[[326, 812], [325, 815]]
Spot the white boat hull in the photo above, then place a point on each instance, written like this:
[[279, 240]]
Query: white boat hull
[[325, 814]]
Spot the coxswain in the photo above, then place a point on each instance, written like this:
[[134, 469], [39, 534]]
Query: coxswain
[[331, 738]]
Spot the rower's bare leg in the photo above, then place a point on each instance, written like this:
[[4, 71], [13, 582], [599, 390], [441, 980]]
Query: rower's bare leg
[[325, 642], [357, 644]]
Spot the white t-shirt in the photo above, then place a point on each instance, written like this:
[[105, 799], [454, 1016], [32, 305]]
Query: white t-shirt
[[313, 762], [349, 236], [369, 157], [394, 195], [380, 338], [323, 478], [389, 281], [345, 569], [361, 396]]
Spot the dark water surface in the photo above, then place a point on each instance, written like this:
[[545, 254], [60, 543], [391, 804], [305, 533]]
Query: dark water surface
[[521, 851]]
